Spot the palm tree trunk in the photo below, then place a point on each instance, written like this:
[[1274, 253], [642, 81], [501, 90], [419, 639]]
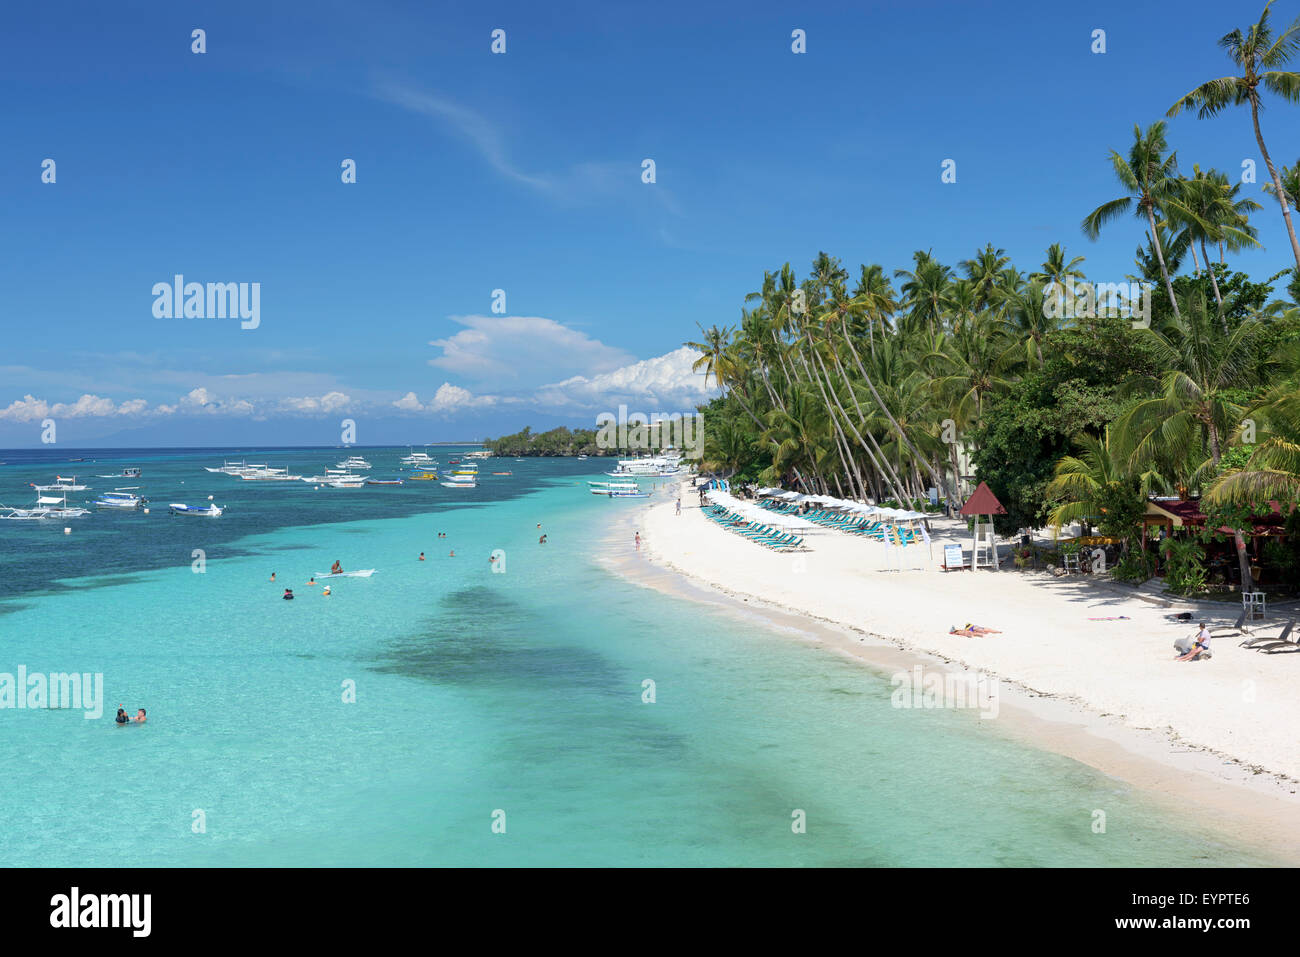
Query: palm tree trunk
[[1160, 258], [1277, 182], [861, 418], [1218, 296], [1238, 539], [898, 429]]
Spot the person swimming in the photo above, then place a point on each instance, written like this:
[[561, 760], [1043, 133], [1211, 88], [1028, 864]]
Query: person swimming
[[272, 576], [421, 556], [336, 568], [122, 716], [288, 594], [139, 716], [312, 580], [326, 592]]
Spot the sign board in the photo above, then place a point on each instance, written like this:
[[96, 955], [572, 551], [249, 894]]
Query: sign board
[[952, 556]]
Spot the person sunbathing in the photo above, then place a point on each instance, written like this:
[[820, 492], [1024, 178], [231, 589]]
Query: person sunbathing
[[973, 631]]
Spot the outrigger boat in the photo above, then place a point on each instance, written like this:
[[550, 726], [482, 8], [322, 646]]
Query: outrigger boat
[[62, 484], [47, 506], [419, 460], [203, 511], [425, 476], [131, 472], [383, 481]]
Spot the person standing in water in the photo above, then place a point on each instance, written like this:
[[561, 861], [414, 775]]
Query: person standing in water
[[139, 716], [122, 716], [421, 556], [272, 576]]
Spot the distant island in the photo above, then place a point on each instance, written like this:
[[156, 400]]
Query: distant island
[[556, 442]]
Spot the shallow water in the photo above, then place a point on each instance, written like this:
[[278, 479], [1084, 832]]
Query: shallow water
[[480, 697]]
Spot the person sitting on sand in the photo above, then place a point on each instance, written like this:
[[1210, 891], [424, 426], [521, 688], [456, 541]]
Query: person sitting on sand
[[336, 568], [1200, 645], [973, 631]]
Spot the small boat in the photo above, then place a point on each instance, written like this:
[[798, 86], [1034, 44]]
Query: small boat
[[203, 511], [503, 473], [47, 506], [581, 457], [62, 484], [350, 481], [364, 573], [132, 472], [419, 460], [121, 498], [383, 481], [454, 484], [354, 462], [425, 477]]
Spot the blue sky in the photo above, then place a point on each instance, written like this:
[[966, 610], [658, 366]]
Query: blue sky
[[522, 172]]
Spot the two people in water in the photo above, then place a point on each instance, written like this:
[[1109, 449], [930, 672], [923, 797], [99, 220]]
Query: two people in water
[[124, 718], [288, 594]]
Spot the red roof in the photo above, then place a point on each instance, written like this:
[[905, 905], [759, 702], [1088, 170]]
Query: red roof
[[983, 502]]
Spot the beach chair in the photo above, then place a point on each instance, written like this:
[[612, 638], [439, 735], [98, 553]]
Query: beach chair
[[1238, 628], [1280, 645], [1256, 641]]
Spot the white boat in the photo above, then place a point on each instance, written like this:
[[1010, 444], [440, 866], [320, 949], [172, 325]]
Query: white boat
[[49, 505], [62, 484], [121, 498], [419, 460], [364, 573], [268, 475], [354, 462], [129, 472], [351, 481], [228, 468], [459, 481], [334, 475], [625, 486], [203, 511]]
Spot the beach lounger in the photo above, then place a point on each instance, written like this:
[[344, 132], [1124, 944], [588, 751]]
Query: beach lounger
[[1238, 628], [1255, 641], [1281, 644]]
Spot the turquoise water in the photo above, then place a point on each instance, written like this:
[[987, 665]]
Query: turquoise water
[[477, 692]]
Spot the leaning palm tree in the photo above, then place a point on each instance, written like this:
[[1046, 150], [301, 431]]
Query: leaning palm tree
[[1257, 55], [1149, 177]]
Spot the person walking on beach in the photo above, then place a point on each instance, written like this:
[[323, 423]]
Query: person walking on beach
[[679, 505], [638, 541]]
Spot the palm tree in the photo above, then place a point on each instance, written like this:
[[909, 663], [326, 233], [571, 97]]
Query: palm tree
[[984, 271], [1056, 269], [1203, 205], [1149, 177], [1197, 406], [1289, 180], [1257, 55], [1083, 481]]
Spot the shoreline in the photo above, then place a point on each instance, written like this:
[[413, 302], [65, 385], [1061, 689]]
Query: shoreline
[[1232, 795]]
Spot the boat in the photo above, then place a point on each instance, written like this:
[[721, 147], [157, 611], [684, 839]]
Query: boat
[[47, 506], [265, 474], [621, 486], [131, 472], [334, 475], [581, 457], [419, 460], [120, 498], [383, 481], [347, 481], [203, 511], [62, 484], [363, 573], [425, 476], [503, 473], [227, 468], [459, 484], [354, 462]]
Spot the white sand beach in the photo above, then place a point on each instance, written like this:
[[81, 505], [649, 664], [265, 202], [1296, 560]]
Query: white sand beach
[[1183, 728]]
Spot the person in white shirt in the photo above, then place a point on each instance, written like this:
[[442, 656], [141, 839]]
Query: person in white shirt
[[1200, 646]]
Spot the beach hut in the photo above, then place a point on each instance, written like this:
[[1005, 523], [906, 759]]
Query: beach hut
[[984, 548]]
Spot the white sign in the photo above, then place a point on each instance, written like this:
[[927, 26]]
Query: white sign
[[952, 556]]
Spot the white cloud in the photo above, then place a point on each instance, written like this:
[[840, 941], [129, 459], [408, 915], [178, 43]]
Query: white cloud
[[523, 351], [409, 403], [31, 409], [448, 398], [333, 401], [665, 383]]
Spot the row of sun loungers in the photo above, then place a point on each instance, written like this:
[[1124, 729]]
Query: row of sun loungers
[[853, 524], [1278, 643], [764, 535]]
